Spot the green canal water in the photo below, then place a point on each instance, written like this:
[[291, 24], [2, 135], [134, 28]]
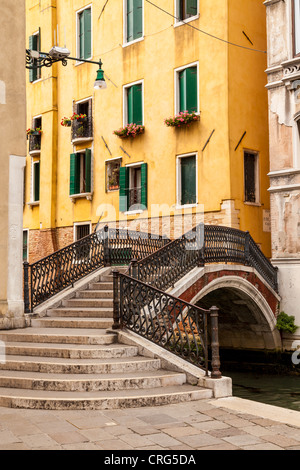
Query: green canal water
[[276, 390], [269, 378]]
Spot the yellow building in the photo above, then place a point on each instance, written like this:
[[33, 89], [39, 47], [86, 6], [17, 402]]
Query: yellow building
[[160, 59]]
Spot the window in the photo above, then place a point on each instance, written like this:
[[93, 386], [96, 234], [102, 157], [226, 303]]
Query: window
[[80, 172], [251, 177], [186, 9], [133, 188], [133, 20], [35, 181], [133, 104], [83, 128], [187, 180], [25, 245], [35, 139], [35, 45], [186, 89], [81, 231], [112, 168], [84, 38], [296, 26]]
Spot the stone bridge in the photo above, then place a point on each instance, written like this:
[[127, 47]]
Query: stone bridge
[[248, 305]]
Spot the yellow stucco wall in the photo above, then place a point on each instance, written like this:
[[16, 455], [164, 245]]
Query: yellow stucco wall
[[226, 76]]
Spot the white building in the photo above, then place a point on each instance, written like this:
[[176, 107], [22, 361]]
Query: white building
[[283, 28]]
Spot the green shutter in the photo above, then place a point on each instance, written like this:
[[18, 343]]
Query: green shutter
[[87, 33], [88, 170], [191, 7], [36, 181], [129, 20], [188, 90], [137, 19], [124, 186], [81, 35], [144, 185], [135, 104], [188, 180], [74, 174], [33, 42]]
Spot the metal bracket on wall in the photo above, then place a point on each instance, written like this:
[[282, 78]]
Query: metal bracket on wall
[[240, 141], [106, 145], [125, 152], [207, 142]]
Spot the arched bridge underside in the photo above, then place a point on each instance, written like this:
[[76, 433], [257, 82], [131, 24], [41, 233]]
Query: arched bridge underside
[[248, 305]]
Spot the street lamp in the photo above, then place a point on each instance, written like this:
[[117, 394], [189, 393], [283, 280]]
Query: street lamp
[[37, 60]]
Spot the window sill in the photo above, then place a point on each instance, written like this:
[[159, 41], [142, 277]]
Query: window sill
[[80, 62], [33, 204], [81, 140], [127, 44], [186, 206], [34, 152], [255, 204], [188, 20], [140, 211], [88, 196]]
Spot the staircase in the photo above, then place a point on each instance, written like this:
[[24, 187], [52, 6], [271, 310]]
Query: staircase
[[71, 359]]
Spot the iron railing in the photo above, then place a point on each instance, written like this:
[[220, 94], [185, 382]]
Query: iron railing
[[82, 128], [61, 269], [34, 142], [167, 321], [204, 244]]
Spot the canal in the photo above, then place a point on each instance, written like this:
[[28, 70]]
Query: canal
[[265, 378]]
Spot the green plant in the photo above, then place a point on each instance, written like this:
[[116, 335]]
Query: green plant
[[182, 119], [131, 130], [286, 323]]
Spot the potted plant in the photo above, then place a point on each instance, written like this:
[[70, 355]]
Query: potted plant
[[35, 131], [78, 117], [184, 118], [131, 130], [66, 122]]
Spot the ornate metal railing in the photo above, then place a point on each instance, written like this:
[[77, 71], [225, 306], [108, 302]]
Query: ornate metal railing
[[61, 269], [204, 244], [82, 128], [167, 321]]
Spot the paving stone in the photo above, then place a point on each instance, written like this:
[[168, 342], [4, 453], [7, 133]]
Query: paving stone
[[115, 444], [158, 419], [280, 440], [163, 440], [230, 431], [72, 437], [223, 446], [266, 446], [181, 431], [201, 440], [136, 441], [238, 422], [82, 446], [37, 441], [264, 422], [7, 437], [209, 425], [243, 440], [143, 430], [256, 430]]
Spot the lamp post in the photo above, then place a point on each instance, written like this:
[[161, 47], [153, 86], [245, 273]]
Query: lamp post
[[37, 60]]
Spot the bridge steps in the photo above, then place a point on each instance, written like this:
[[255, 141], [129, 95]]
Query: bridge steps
[[68, 360]]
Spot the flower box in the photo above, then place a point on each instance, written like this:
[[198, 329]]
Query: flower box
[[184, 118], [36, 131], [131, 130]]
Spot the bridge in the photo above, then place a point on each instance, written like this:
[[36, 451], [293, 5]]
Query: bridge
[[208, 267]]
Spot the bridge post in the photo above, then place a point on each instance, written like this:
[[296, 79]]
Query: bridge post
[[215, 351], [116, 301], [200, 241], [106, 247], [26, 287]]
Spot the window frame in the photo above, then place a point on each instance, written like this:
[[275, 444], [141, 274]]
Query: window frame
[[38, 71], [78, 224], [186, 20], [83, 194], [107, 162], [177, 86], [179, 205], [78, 13], [256, 177], [129, 43], [27, 245], [33, 176], [125, 101]]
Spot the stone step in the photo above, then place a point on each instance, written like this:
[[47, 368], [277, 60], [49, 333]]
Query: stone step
[[95, 294], [60, 336], [88, 383], [100, 285], [35, 399], [85, 303], [73, 366], [72, 322], [70, 351], [91, 312]]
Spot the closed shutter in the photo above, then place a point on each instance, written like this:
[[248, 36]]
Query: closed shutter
[[250, 177], [87, 33], [74, 174], [188, 89], [129, 20], [137, 19], [33, 46], [188, 180], [124, 189], [144, 185], [191, 7], [135, 104], [88, 170], [36, 181], [81, 35]]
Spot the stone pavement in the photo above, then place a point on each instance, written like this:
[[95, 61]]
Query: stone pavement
[[219, 424]]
